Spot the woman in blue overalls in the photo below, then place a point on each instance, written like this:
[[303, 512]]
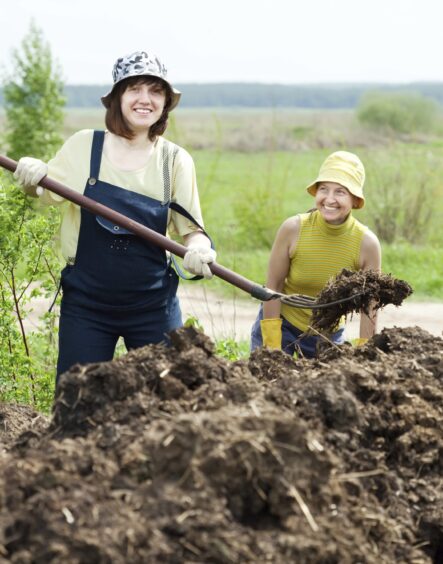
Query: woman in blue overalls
[[115, 284]]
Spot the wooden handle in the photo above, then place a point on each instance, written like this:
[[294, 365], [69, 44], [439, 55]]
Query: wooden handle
[[141, 231]]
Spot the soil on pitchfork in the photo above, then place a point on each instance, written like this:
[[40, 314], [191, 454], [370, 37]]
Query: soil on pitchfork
[[175, 455], [369, 287]]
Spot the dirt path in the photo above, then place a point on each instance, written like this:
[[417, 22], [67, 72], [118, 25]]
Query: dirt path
[[224, 318]]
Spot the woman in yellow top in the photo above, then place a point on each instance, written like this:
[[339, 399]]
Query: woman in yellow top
[[311, 248], [116, 284]]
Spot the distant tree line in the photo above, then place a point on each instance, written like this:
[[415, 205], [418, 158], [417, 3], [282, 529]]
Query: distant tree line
[[328, 96]]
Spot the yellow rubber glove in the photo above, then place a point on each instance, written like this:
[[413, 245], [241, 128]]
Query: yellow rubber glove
[[271, 333], [359, 342]]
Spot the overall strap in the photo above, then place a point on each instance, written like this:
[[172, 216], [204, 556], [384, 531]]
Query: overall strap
[[94, 170], [96, 156], [179, 209], [169, 153], [182, 211], [168, 164]]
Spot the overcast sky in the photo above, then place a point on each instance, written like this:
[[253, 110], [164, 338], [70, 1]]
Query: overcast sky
[[269, 41]]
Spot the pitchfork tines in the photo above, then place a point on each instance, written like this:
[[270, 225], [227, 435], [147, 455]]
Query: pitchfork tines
[[300, 300]]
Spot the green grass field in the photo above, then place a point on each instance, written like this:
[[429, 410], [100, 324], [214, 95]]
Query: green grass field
[[253, 166], [245, 197]]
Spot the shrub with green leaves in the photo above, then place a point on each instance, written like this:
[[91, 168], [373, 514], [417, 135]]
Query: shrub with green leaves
[[28, 263], [27, 270], [232, 350], [397, 111]]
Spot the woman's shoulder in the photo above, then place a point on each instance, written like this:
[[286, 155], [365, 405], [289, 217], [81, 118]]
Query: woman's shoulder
[[368, 236], [289, 233], [291, 226], [75, 148], [80, 139], [370, 252], [305, 220], [82, 134], [176, 150], [370, 239]]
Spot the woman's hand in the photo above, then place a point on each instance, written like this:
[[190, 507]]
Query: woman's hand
[[29, 173], [199, 255], [197, 259]]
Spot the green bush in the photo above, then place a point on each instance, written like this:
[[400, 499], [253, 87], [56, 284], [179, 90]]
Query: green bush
[[232, 350], [397, 111], [27, 270], [28, 264]]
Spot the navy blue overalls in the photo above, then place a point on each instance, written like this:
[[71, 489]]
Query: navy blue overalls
[[120, 285]]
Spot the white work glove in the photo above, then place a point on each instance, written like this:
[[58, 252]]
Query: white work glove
[[29, 172], [196, 260]]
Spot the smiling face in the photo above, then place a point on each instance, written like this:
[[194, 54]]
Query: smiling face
[[142, 104], [334, 202]]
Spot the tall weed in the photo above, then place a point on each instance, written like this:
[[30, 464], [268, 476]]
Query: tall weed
[[404, 188], [27, 270]]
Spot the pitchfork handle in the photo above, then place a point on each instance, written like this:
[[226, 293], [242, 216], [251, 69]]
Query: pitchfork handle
[[143, 232]]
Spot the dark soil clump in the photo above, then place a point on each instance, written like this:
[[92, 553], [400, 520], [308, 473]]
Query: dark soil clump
[[19, 420], [369, 287], [174, 455]]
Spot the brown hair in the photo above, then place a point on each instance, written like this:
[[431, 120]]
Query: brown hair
[[116, 123]]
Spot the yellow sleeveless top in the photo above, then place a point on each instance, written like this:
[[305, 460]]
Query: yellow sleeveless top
[[322, 251]]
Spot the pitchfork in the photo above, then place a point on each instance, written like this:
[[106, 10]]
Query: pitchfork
[[255, 290]]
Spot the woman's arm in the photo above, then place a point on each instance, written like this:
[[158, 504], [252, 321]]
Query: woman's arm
[[370, 259], [185, 193], [198, 239], [279, 263]]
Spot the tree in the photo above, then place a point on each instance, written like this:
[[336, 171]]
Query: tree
[[33, 99], [34, 117]]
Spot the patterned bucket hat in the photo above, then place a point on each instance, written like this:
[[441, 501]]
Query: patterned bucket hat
[[139, 63]]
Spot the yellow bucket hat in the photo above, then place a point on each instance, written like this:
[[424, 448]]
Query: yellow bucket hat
[[343, 168]]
